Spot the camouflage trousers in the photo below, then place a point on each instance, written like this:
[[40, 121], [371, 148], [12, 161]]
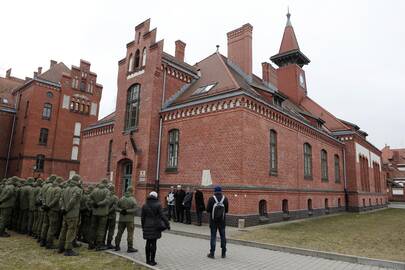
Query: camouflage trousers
[[130, 233], [53, 226], [5, 218], [85, 227], [39, 223], [68, 232], [23, 221], [30, 221], [45, 225], [98, 224], [110, 229]]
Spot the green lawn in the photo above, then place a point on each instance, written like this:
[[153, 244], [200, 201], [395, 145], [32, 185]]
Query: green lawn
[[379, 235], [20, 252]]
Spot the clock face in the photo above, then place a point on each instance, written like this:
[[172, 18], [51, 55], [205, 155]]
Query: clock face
[[302, 80]]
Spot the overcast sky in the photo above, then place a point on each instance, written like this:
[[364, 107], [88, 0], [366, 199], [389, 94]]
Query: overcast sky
[[356, 48]]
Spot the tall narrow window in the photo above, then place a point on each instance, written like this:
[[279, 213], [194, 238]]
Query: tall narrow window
[[273, 152], [43, 136], [75, 152], [47, 111], [307, 161], [27, 105], [137, 58], [109, 156], [132, 110], [144, 57], [173, 149], [40, 163], [326, 204], [324, 165], [285, 207], [131, 63], [77, 129], [309, 205], [337, 169]]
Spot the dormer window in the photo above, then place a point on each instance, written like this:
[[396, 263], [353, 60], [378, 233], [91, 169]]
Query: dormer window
[[204, 89]]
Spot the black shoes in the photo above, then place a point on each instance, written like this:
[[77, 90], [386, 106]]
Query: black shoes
[[131, 250], [117, 248], [4, 234], [70, 252], [109, 246], [211, 256]]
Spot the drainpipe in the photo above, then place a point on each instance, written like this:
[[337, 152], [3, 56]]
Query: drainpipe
[[345, 180], [11, 137], [157, 185]]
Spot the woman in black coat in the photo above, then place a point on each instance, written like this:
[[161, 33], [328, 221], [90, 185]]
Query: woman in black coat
[[152, 218], [199, 205]]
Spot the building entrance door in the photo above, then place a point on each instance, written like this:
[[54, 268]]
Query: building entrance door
[[126, 176]]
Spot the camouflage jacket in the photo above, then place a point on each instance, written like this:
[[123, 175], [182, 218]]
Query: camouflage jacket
[[101, 197], [70, 201], [7, 196], [128, 203]]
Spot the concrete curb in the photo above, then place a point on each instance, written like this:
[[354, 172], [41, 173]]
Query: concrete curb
[[302, 251], [132, 259]]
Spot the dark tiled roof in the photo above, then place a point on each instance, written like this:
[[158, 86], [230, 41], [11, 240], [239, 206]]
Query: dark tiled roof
[[109, 119], [174, 60], [54, 74]]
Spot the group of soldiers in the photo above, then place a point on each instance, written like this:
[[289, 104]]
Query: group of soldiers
[[64, 210]]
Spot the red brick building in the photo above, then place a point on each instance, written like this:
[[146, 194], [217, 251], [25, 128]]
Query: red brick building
[[44, 120], [394, 169], [276, 152]]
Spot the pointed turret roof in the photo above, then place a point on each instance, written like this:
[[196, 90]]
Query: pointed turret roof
[[289, 52]]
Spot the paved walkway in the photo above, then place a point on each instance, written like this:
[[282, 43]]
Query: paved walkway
[[182, 252]]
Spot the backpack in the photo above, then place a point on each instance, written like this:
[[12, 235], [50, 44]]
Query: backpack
[[218, 210]]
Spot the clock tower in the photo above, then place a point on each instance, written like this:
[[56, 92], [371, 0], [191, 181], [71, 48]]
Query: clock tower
[[290, 60]]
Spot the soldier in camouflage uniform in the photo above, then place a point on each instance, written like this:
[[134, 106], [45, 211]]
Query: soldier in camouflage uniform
[[111, 220], [7, 199], [70, 207], [16, 209], [52, 198], [31, 204], [85, 216], [43, 216], [26, 187], [127, 206], [36, 187], [100, 198]]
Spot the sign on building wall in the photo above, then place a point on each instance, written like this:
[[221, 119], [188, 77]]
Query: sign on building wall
[[398, 191], [142, 175], [206, 178]]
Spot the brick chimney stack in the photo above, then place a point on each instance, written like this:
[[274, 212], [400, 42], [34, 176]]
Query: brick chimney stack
[[269, 73], [180, 50], [39, 70], [8, 73], [240, 47], [53, 62]]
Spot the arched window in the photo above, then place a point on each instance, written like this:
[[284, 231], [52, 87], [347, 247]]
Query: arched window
[[273, 152], [137, 58], [40, 163], [263, 208], [132, 109], [337, 169], [144, 57], [130, 63], [324, 165], [285, 207], [173, 149], [47, 111], [75, 152], [307, 161]]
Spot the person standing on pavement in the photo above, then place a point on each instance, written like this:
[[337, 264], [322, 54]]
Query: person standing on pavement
[[171, 204], [179, 197], [187, 202], [153, 223], [217, 208], [7, 200], [199, 205], [126, 206], [112, 217]]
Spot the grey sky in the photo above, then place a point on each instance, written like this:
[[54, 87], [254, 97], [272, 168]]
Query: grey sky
[[356, 47]]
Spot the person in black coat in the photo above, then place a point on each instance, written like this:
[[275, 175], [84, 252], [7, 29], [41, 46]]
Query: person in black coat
[[151, 219], [179, 197], [199, 205], [217, 225], [187, 202]]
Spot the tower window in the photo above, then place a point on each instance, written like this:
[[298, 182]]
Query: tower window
[[144, 57], [173, 149], [132, 109], [40, 163], [47, 111], [137, 58], [43, 136]]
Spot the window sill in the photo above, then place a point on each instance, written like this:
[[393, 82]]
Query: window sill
[[325, 180], [46, 118], [308, 177], [273, 173], [128, 131], [42, 144], [171, 170]]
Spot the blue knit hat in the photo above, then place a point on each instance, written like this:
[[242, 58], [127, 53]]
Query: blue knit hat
[[217, 189]]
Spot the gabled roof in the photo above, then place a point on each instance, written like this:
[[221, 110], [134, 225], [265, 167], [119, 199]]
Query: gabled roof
[[54, 74]]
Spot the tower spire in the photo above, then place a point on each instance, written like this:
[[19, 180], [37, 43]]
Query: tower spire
[[288, 17]]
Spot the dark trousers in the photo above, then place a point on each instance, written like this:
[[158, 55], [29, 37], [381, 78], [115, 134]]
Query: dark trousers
[[199, 217], [214, 228], [110, 229], [180, 213], [188, 215], [98, 225], [150, 250], [172, 212]]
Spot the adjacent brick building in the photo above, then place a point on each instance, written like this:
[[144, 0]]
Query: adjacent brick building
[[43, 121], [276, 152], [394, 168]]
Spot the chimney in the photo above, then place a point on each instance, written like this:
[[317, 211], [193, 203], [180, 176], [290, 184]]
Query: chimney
[[39, 70], [8, 73], [269, 73], [180, 50], [53, 62], [35, 74], [240, 47]]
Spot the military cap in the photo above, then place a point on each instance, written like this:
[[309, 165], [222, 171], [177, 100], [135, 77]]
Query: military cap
[[111, 188], [104, 181], [51, 178], [30, 180], [90, 188], [76, 178], [130, 189], [58, 179]]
